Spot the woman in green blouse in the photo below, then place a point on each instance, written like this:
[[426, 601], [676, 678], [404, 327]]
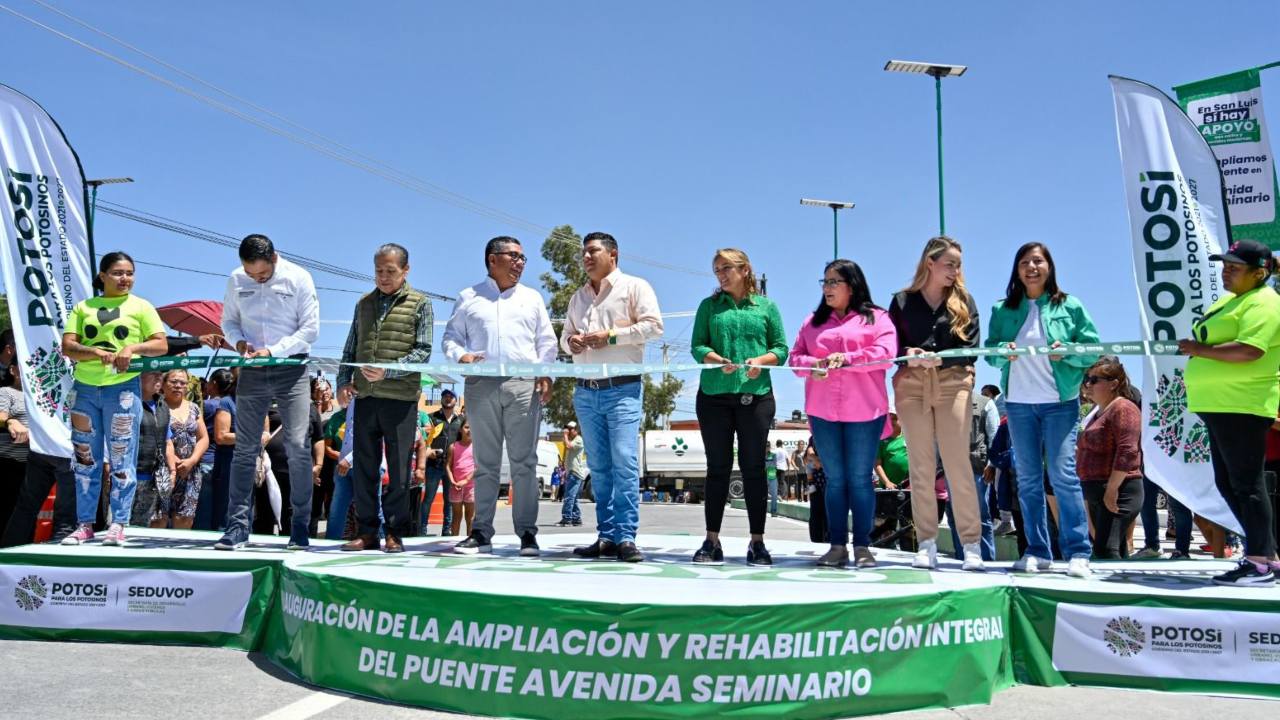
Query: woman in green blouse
[[738, 329]]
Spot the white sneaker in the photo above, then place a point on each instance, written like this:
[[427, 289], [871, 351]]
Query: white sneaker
[[973, 558], [1079, 567], [1031, 564], [926, 556]]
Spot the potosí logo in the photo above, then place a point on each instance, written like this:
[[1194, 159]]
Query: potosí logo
[[1177, 635], [30, 592], [92, 590], [1124, 636], [1171, 271], [157, 591]]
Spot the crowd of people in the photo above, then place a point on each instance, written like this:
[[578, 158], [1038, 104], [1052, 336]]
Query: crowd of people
[[178, 453]]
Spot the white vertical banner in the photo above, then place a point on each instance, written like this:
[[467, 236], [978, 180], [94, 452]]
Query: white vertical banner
[[44, 251], [1178, 217]]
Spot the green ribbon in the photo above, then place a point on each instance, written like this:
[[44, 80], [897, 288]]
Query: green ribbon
[[153, 364], [587, 371]]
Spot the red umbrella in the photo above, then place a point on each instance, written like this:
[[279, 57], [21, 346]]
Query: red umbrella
[[193, 317]]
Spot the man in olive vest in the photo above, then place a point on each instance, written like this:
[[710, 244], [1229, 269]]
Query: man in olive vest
[[392, 324]]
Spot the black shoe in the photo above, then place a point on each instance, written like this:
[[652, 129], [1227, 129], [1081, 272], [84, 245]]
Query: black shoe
[[565, 523], [597, 549], [298, 539], [709, 554], [1179, 555], [474, 544], [628, 552], [1246, 574], [528, 546], [757, 554], [577, 523]]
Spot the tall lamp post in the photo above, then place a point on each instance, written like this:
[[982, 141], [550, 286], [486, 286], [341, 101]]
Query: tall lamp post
[[93, 209], [938, 71], [836, 206]]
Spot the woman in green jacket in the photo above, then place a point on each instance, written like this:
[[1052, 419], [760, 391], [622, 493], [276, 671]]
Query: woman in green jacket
[[1042, 394]]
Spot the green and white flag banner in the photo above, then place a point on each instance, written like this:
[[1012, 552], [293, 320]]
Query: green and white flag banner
[[46, 259], [1228, 112], [1177, 218], [588, 371]]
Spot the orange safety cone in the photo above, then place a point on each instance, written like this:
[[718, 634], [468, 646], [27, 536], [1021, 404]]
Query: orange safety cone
[[44, 519], [435, 515]]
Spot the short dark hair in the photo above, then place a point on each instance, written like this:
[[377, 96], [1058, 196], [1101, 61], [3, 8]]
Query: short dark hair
[[256, 247], [603, 238], [992, 389], [6, 338], [402, 255], [447, 391], [495, 246]]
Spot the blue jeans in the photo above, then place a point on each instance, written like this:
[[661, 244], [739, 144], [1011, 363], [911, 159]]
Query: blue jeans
[[610, 419], [114, 416], [258, 388], [987, 544], [1182, 524], [1004, 490], [435, 479], [1044, 435], [773, 495], [339, 505], [848, 452], [569, 510]]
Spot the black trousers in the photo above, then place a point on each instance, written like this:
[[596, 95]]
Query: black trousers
[[721, 418], [380, 421], [1111, 530], [42, 473], [1238, 446]]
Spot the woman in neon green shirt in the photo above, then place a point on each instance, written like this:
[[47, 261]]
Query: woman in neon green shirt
[[1231, 385], [103, 335]]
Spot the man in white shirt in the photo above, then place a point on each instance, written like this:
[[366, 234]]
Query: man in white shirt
[[609, 320], [270, 310], [501, 321]]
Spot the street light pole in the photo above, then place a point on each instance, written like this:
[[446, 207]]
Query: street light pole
[[836, 206], [93, 210], [938, 71], [942, 213]]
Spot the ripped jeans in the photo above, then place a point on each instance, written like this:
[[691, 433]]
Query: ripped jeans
[[105, 417]]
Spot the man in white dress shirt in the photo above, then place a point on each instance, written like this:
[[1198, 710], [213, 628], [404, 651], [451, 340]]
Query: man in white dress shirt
[[609, 320], [500, 320], [270, 310]]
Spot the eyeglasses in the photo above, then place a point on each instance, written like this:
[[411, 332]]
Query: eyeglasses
[[826, 283], [515, 255], [1092, 379]]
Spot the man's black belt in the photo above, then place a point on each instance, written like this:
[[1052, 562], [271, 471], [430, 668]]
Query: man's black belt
[[603, 383]]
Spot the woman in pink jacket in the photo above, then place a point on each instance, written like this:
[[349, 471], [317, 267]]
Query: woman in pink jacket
[[846, 401]]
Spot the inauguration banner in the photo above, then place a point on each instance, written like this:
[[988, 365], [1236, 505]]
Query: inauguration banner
[[1178, 217], [535, 657], [1228, 112], [45, 257]]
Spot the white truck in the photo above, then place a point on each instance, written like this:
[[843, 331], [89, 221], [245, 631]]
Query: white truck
[[673, 460], [548, 459]]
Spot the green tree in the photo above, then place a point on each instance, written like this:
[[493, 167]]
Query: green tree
[[563, 249], [660, 400], [4, 313]]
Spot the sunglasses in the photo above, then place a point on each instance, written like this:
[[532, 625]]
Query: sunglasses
[[1093, 379], [830, 283]]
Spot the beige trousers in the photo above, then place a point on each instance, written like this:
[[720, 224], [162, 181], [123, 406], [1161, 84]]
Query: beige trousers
[[935, 410]]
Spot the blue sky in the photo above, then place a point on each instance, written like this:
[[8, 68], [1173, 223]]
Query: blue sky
[[677, 127]]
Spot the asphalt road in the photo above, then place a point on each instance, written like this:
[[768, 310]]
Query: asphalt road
[[79, 680]]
